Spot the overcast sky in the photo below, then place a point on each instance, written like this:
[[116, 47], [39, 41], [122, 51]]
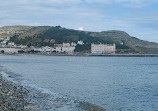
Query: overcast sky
[[139, 18]]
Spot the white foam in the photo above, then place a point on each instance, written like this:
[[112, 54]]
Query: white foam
[[6, 76], [45, 98]]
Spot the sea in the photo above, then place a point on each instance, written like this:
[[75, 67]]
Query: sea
[[60, 83]]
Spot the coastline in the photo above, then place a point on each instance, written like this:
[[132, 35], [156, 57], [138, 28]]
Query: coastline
[[12, 96], [147, 63], [90, 55], [15, 97]]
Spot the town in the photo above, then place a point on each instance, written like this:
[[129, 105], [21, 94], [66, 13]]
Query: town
[[8, 47]]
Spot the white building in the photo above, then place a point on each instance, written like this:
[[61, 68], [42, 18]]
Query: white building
[[58, 45], [22, 46], [73, 44], [4, 42], [66, 44], [80, 42], [7, 39], [46, 49], [65, 47], [103, 48], [11, 44], [37, 49], [57, 49], [10, 50], [69, 50]]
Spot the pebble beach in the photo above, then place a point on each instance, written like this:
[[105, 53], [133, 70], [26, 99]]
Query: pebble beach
[[12, 97], [17, 98]]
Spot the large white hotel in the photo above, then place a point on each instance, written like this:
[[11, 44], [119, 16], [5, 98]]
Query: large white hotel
[[103, 48]]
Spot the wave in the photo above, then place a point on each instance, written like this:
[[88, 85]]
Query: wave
[[45, 100]]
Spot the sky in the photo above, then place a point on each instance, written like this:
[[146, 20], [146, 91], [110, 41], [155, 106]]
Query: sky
[[139, 18]]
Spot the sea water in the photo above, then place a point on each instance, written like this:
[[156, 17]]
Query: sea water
[[114, 83]]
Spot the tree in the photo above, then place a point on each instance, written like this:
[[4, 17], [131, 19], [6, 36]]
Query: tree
[[2, 51], [83, 48], [21, 51]]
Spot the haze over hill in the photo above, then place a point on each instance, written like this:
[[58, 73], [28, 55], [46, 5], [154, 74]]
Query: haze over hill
[[35, 35]]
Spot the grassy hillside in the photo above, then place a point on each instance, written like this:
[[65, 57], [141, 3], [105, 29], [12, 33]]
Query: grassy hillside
[[124, 42], [122, 37], [8, 31]]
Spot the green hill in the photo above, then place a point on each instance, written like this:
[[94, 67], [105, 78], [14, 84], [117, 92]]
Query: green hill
[[36, 35], [8, 31], [134, 43]]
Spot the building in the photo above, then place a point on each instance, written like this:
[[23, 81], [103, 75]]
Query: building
[[103, 48], [57, 49], [52, 41], [66, 45], [10, 50], [37, 49], [69, 50], [22, 46], [58, 45], [4, 42], [46, 40], [73, 44], [80, 42], [11, 44], [46, 49]]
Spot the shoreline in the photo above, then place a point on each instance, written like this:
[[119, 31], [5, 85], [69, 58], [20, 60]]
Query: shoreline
[[88, 55], [14, 97]]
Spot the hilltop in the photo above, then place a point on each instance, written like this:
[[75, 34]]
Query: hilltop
[[8, 31], [36, 35], [133, 43]]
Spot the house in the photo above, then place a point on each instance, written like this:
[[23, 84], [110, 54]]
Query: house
[[52, 41], [10, 50], [65, 47], [46, 49], [103, 48], [46, 40], [11, 44], [66, 44], [22, 46], [69, 50], [58, 45], [57, 49], [4, 42], [80, 42], [73, 44], [37, 49]]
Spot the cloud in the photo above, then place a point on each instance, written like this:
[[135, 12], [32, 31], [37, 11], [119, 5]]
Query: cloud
[[125, 3], [58, 2], [80, 28], [112, 1], [93, 15], [119, 1], [51, 2]]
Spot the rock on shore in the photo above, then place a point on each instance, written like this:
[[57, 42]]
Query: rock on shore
[[17, 98], [12, 97]]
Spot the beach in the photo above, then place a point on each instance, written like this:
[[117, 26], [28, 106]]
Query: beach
[[64, 83], [83, 55], [13, 97], [17, 98]]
